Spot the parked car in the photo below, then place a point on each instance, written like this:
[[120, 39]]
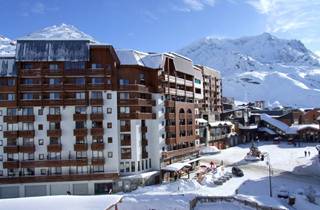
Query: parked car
[[283, 193], [236, 171]]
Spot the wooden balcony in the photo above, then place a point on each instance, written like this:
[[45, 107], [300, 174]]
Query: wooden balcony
[[144, 129], [169, 103], [10, 119], [136, 102], [180, 152], [125, 155], [27, 149], [27, 134], [133, 88], [54, 133], [11, 164], [7, 89], [50, 102], [80, 147], [125, 142], [80, 132], [97, 146], [49, 87], [96, 86], [54, 148], [171, 128], [48, 72], [144, 142], [30, 87], [96, 101], [33, 102], [170, 116], [57, 178], [97, 131], [54, 117], [144, 155], [74, 72], [125, 128], [99, 71], [30, 72], [53, 163], [79, 117], [171, 140], [98, 161], [75, 102], [10, 134], [137, 115], [26, 118], [8, 104], [11, 149], [96, 116], [72, 86]]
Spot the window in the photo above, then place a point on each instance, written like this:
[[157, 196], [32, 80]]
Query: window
[[110, 154], [43, 171], [80, 95], [1, 157], [124, 82], [27, 111], [141, 76], [11, 111], [11, 96], [1, 173], [110, 140], [41, 156], [81, 110], [54, 96], [40, 111], [96, 66], [27, 66], [1, 142], [109, 95], [149, 163], [142, 165], [197, 81], [97, 80], [54, 125], [138, 165], [127, 166], [97, 154], [96, 95], [40, 127], [98, 168], [1, 128], [81, 155], [121, 167], [133, 166], [97, 139], [109, 110], [41, 141], [124, 96], [109, 125], [54, 110], [27, 81], [53, 67], [96, 109], [54, 81], [11, 82], [12, 126], [108, 81], [26, 96], [27, 126], [80, 81], [74, 65], [80, 124], [125, 109]]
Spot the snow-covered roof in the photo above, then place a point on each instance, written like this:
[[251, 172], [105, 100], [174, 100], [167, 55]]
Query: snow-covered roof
[[304, 126], [59, 32], [134, 57], [201, 120], [7, 67], [52, 50], [175, 166], [248, 127], [280, 125], [219, 123], [267, 130], [97, 202]]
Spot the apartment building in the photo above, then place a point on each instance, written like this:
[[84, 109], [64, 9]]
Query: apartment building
[[76, 116]]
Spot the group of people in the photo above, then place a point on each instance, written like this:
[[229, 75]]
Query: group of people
[[307, 153]]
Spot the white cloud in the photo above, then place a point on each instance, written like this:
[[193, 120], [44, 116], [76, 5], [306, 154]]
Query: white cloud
[[194, 5], [38, 8], [298, 19], [317, 53]]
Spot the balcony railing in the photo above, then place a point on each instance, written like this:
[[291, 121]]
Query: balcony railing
[[54, 148], [54, 133], [97, 146], [181, 152], [134, 88], [80, 132], [80, 147]]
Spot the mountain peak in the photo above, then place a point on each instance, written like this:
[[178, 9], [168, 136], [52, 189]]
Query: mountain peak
[[59, 32], [7, 46]]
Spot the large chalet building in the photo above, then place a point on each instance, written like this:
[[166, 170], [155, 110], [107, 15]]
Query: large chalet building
[[76, 116]]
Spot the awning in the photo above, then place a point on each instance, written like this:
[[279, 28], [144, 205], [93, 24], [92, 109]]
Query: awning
[[220, 123], [175, 166]]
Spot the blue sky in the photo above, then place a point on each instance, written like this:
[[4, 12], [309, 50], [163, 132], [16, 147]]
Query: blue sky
[[162, 25]]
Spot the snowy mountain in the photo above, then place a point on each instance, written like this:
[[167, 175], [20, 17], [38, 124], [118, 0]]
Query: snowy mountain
[[262, 67], [7, 46], [60, 32]]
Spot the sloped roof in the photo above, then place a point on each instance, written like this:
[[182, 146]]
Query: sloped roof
[[134, 57], [7, 67]]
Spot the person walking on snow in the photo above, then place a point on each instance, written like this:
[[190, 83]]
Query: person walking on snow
[[305, 153], [309, 153]]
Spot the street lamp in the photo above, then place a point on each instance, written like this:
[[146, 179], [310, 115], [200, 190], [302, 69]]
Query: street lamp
[[270, 173]]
